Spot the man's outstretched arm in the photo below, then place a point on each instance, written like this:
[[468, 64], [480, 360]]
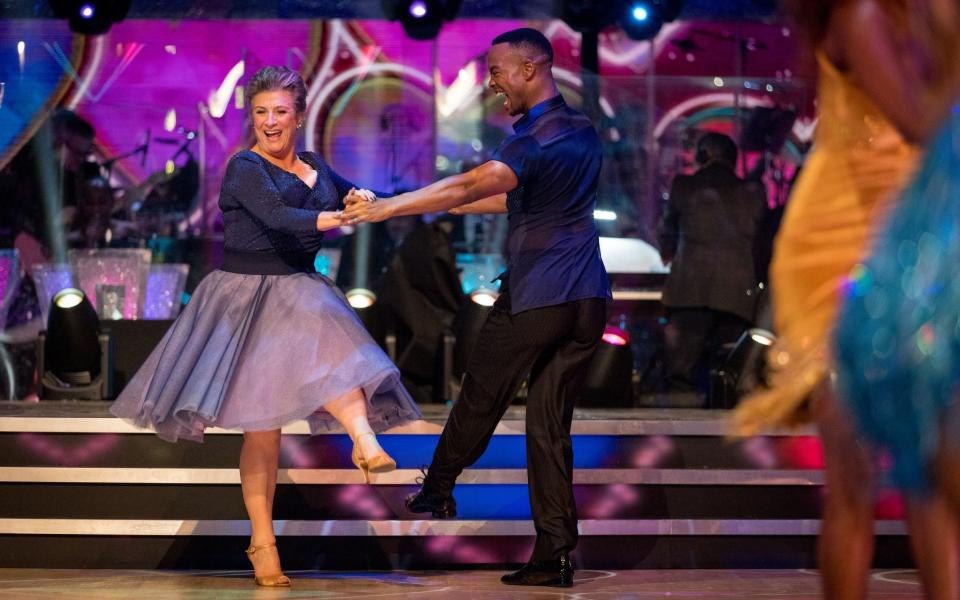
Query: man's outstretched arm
[[492, 178]]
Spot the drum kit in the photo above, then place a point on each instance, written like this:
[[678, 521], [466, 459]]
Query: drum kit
[[152, 212]]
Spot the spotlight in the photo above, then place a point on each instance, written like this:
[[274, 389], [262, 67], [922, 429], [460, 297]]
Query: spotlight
[[421, 19], [361, 298], [484, 296], [68, 298], [418, 9], [615, 336], [742, 370], [91, 17], [609, 378], [73, 356], [642, 19], [370, 312]]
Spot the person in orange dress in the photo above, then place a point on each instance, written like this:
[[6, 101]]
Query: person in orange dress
[[873, 113]]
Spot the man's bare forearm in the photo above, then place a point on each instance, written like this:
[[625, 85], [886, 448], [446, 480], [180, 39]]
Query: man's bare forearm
[[484, 206], [492, 178], [446, 194]]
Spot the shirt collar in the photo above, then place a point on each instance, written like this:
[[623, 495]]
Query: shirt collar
[[537, 111]]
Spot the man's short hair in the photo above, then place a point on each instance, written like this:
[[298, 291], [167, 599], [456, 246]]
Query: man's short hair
[[716, 147], [527, 38]]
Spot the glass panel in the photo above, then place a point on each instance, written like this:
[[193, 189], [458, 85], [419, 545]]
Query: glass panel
[[50, 278], [165, 285], [114, 280]]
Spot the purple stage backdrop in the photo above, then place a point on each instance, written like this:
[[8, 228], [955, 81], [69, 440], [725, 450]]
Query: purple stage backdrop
[[389, 112]]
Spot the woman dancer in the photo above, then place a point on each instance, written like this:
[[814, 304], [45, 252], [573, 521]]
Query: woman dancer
[[871, 112], [265, 340], [898, 344]]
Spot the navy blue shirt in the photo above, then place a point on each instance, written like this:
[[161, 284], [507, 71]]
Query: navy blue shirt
[[270, 210], [553, 249]]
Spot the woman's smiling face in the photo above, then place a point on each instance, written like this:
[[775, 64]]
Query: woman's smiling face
[[275, 122]]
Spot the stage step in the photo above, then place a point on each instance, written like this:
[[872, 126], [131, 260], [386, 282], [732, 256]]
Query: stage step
[[654, 488]]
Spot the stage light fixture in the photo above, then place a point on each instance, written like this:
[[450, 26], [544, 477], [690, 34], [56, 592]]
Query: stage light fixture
[[68, 298], [418, 9], [421, 19], [91, 17], [609, 379], [642, 19], [484, 296], [589, 15], [74, 352], [742, 370], [615, 336], [361, 298], [73, 355]]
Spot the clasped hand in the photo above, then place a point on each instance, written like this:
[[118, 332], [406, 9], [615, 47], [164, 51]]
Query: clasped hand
[[361, 206]]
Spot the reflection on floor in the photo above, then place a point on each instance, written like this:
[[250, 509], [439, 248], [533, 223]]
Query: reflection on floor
[[485, 585]]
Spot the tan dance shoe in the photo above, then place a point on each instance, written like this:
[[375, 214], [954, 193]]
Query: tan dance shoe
[[277, 579], [378, 463]]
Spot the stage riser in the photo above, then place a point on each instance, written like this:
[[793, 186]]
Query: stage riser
[[666, 491], [500, 501], [410, 451], [339, 553]]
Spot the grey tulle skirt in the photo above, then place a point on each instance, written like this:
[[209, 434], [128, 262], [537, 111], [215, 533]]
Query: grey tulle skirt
[[255, 352]]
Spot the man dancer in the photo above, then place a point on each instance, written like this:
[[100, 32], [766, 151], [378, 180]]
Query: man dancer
[[552, 307]]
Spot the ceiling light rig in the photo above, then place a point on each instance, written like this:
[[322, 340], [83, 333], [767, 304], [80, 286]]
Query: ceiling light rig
[[91, 17], [421, 19]]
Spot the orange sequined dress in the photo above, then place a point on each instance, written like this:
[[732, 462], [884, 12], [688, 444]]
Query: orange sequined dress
[[858, 164]]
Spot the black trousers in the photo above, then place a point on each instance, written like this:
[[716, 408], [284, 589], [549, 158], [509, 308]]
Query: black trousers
[[690, 333], [554, 345]]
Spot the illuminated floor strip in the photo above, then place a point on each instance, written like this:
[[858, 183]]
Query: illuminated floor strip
[[357, 528], [716, 426], [175, 476]]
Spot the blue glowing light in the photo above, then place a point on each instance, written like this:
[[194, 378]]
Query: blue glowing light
[[418, 9], [640, 13], [86, 11]]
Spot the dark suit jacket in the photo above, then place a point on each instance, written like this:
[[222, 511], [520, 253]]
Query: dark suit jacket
[[708, 231]]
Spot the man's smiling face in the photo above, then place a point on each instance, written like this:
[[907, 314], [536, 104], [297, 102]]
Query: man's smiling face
[[505, 64]]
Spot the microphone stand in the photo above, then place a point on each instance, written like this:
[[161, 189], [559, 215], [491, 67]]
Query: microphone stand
[[141, 150]]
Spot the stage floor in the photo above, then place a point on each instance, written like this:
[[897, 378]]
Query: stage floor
[[237, 585]]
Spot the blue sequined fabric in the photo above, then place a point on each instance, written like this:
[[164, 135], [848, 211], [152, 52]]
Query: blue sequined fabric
[[898, 338]]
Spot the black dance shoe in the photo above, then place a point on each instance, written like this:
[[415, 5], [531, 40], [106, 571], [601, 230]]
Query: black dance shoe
[[553, 573], [442, 507]]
